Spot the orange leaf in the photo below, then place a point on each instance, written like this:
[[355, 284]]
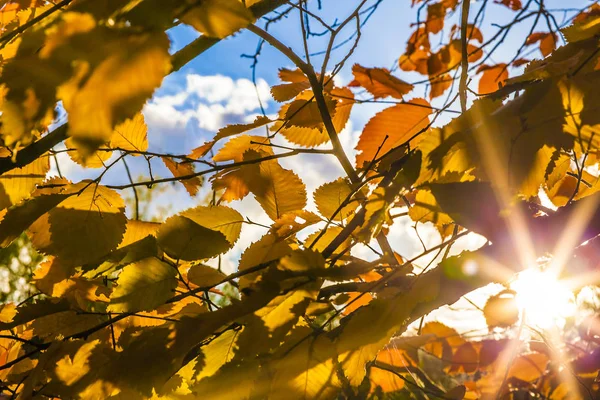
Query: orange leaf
[[435, 17], [201, 150], [528, 367], [439, 85], [547, 41], [493, 78], [386, 380], [514, 5], [390, 128], [379, 82], [191, 184], [465, 359]]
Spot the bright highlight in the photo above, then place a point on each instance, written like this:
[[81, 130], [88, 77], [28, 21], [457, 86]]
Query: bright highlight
[[545, 300]]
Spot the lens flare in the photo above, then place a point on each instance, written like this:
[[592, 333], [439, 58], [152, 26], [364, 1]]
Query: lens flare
[[545, 300]]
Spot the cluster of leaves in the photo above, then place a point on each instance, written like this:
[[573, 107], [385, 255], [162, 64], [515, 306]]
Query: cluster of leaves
[[128, 306]]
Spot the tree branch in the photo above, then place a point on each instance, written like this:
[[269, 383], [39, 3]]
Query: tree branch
[[464, 74]]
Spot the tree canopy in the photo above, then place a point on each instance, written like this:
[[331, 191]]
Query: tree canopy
[[501, 144]]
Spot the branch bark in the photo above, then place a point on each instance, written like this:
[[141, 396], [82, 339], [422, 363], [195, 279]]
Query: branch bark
[[464, 65]]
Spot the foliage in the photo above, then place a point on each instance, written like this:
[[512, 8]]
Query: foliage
[[134, 308]]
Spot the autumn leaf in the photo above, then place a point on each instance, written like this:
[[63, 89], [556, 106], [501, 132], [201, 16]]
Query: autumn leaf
[[200, 233], [493, 78], [379, 82], [392, 127], [94, 218], [335, 197], [203, 275], [143, 286], [219, 18], [514, 5], [131, 135], [191, 183], [18, 184], [547, 41]]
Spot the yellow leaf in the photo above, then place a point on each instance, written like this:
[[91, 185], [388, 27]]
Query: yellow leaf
[[219, 18], [501, 310], [234, 149], [426, 209], [201, 150], [134, 65], [528, 367], [138, 230], [583, 30], [390, 128], [15, 220], [19, 183], [284, 193], [83, 227], [70, 370], [204, 276], [292, 223], [305, 112], [180, 170], [143, 285], [236, 129], [131, 135], [331, 233], [313, 136], [7, 312], [335, 196], [217, 353], [218, 218], [288, 91], [81, 154], [386, 380], [200, 233], [268, 248]]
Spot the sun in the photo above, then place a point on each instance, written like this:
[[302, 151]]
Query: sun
[[543, 299]]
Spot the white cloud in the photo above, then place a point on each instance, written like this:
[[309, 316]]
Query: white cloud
[[206, 102]]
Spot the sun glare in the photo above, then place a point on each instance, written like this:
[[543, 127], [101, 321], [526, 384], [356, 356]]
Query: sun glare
[[545, 300]]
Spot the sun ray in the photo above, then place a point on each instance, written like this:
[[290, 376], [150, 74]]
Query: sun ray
[[498, 174], [571, 235]]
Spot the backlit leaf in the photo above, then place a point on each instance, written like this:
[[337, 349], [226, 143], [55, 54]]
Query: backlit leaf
[[201, 232], [83, 227], [335, 196], [143, 285], [203, 275], [390, 128], [493, 78], [180, 170], [131, 135], [19, 183], [219, 18], [379, 82]]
